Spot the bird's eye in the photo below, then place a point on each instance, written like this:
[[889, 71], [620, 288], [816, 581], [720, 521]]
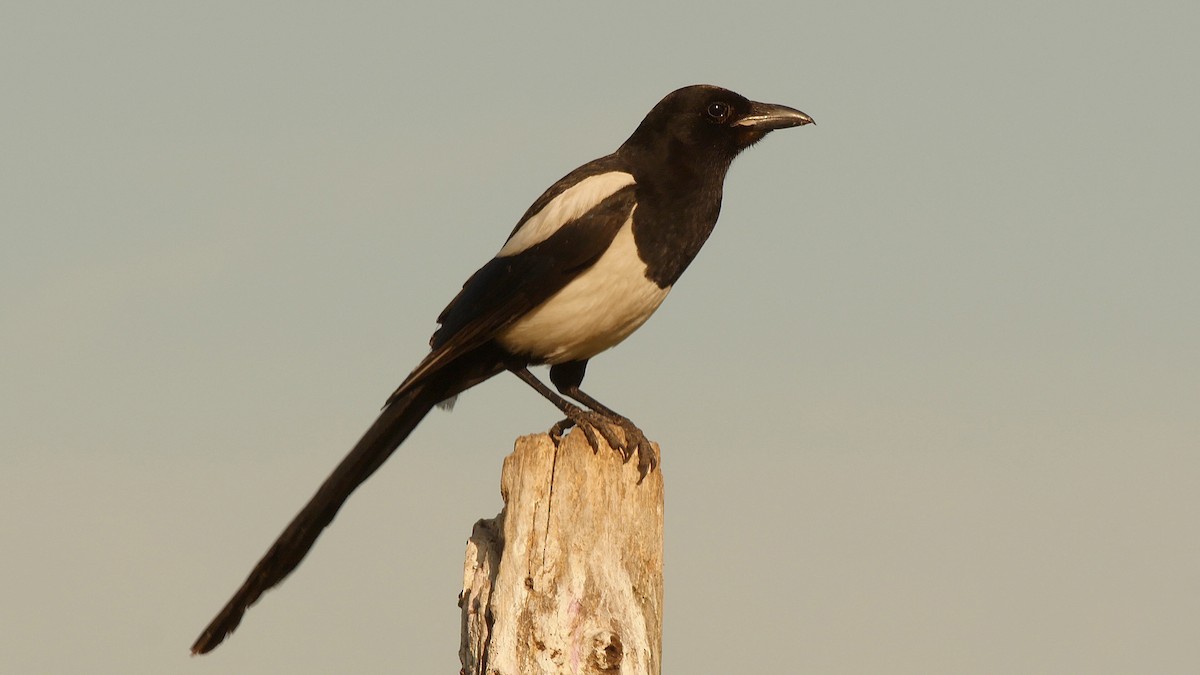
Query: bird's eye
[[718, 111]]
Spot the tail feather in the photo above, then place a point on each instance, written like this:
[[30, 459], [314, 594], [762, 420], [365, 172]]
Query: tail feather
[[394, 424]]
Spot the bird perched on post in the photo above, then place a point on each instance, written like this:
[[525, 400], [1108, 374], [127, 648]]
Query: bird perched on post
[[585, 266]]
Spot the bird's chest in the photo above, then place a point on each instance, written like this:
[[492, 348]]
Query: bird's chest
[[595, 311]]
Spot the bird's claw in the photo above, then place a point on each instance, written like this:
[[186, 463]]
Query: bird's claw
[[556, 432], [637, 443], [631, 441], [588, 429]]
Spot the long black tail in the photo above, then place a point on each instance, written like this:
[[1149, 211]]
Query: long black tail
[[395, 423]]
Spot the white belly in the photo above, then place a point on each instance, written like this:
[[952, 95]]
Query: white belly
[[597, 310]]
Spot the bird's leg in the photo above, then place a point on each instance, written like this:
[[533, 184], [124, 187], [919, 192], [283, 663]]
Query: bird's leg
[[588, 421], [567, 377]]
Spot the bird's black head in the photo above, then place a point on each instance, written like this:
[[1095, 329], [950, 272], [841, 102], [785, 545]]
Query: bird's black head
[[708, 124]]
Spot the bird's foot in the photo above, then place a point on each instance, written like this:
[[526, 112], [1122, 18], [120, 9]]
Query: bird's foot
[[630, 442], [591, 424], [636, 443]]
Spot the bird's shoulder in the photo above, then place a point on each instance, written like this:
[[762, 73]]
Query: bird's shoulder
[[568, 198]]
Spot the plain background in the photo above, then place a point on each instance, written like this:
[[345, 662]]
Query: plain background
[[927, 400]]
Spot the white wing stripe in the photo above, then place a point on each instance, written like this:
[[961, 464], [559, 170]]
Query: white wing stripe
[[571, 204]]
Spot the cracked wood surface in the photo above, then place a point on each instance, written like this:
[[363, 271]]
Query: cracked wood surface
[[568, 577]]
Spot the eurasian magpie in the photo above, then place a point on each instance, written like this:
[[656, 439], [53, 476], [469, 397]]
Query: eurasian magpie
[[585, 266]]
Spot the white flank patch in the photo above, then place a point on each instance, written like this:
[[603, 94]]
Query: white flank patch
[[571, 204], [597, 310]]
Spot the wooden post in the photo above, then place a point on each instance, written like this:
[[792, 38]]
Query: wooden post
[[568, 578]]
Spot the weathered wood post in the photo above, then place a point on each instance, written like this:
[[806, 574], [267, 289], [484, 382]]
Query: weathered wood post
[[568, 577]]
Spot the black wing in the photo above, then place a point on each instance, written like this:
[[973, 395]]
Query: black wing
[[507, 288]]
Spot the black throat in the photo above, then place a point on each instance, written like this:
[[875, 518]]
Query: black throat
[[678, 200]]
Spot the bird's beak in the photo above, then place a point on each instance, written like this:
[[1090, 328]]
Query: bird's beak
[[768, 116]]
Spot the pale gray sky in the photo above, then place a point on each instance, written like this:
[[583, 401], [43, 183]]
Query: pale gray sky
[[927, 400]]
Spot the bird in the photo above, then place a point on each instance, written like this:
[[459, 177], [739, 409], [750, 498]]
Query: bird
[[586, 265]]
